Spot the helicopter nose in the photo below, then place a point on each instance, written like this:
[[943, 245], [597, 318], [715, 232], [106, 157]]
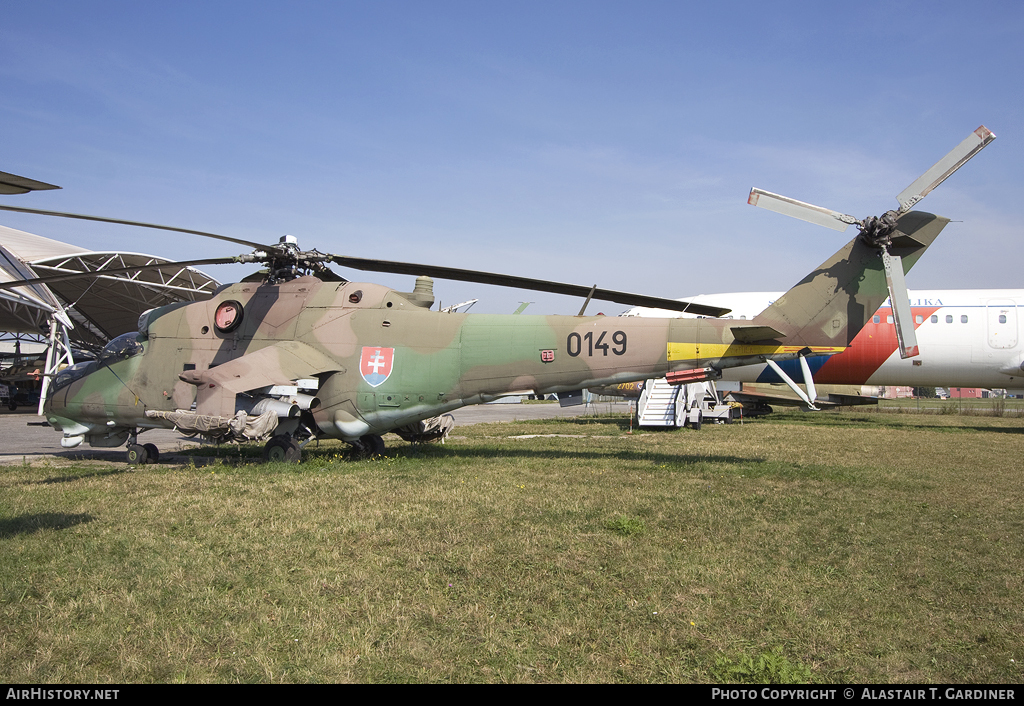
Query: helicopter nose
[[55, 403]]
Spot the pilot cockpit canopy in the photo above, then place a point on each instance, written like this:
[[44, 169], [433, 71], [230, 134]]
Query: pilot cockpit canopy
[[121, 348]]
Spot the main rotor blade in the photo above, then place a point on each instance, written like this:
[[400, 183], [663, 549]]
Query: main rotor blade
[[540, 285], [95, 274], [798, 209], [900, 301], [119, 221], [14, 184], [942, 169]]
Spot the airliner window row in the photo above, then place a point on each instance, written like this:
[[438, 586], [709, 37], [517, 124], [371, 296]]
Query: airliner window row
[[934, 319]]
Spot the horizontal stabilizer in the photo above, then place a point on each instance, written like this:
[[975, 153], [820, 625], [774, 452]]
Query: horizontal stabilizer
[[749, 334]]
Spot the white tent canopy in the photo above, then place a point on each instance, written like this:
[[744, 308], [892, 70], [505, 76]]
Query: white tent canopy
[[101, 307]]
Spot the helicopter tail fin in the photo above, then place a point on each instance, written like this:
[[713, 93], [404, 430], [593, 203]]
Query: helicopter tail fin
[[830, 306]]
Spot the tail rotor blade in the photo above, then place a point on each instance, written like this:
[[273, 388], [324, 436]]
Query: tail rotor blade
[[900, 301], [798, 209], [945, 167]]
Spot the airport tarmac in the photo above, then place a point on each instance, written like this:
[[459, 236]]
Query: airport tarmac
[[24, 439]]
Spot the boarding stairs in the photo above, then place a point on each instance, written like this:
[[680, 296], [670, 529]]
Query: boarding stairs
[[665, 405]]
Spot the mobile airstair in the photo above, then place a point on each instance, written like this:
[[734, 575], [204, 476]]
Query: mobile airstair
[[673, 406]]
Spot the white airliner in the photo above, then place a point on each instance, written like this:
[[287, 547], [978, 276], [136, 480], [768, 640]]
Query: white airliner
[[966, 337]]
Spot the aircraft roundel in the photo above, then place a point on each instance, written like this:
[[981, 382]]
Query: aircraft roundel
[[376, 364]]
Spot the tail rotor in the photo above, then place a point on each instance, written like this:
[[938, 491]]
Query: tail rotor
[[879, 231]]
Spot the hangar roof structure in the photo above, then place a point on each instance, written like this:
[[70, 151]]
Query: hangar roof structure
[[100, 307]]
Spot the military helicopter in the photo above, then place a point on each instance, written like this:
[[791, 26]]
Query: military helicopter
[[296, 352]]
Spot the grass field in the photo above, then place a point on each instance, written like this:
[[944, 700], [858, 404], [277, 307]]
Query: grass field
[[995, 406], [833, 547]]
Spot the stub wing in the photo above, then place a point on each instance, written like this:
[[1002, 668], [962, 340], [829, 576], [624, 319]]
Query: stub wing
[[279, 364]]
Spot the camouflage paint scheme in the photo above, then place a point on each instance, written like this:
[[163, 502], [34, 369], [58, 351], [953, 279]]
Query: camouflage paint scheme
[[309, 328]]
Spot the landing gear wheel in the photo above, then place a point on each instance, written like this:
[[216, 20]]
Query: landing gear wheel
[[153, 452], [696, 424], [368, 446], [137, 455], [282, 449]]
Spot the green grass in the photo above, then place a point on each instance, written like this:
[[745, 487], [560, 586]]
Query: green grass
[[988, 407], [626, 526], [769, 667], [852, 547]]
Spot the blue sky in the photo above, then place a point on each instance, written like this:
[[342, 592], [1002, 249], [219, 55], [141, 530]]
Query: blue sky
[[605, 142]]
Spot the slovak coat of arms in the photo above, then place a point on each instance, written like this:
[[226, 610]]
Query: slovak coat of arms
[[376, 364]]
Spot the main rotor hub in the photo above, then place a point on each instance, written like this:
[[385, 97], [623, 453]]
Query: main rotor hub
[[285, 261]]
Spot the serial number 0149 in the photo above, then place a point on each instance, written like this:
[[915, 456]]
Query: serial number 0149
[[576, 344]]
